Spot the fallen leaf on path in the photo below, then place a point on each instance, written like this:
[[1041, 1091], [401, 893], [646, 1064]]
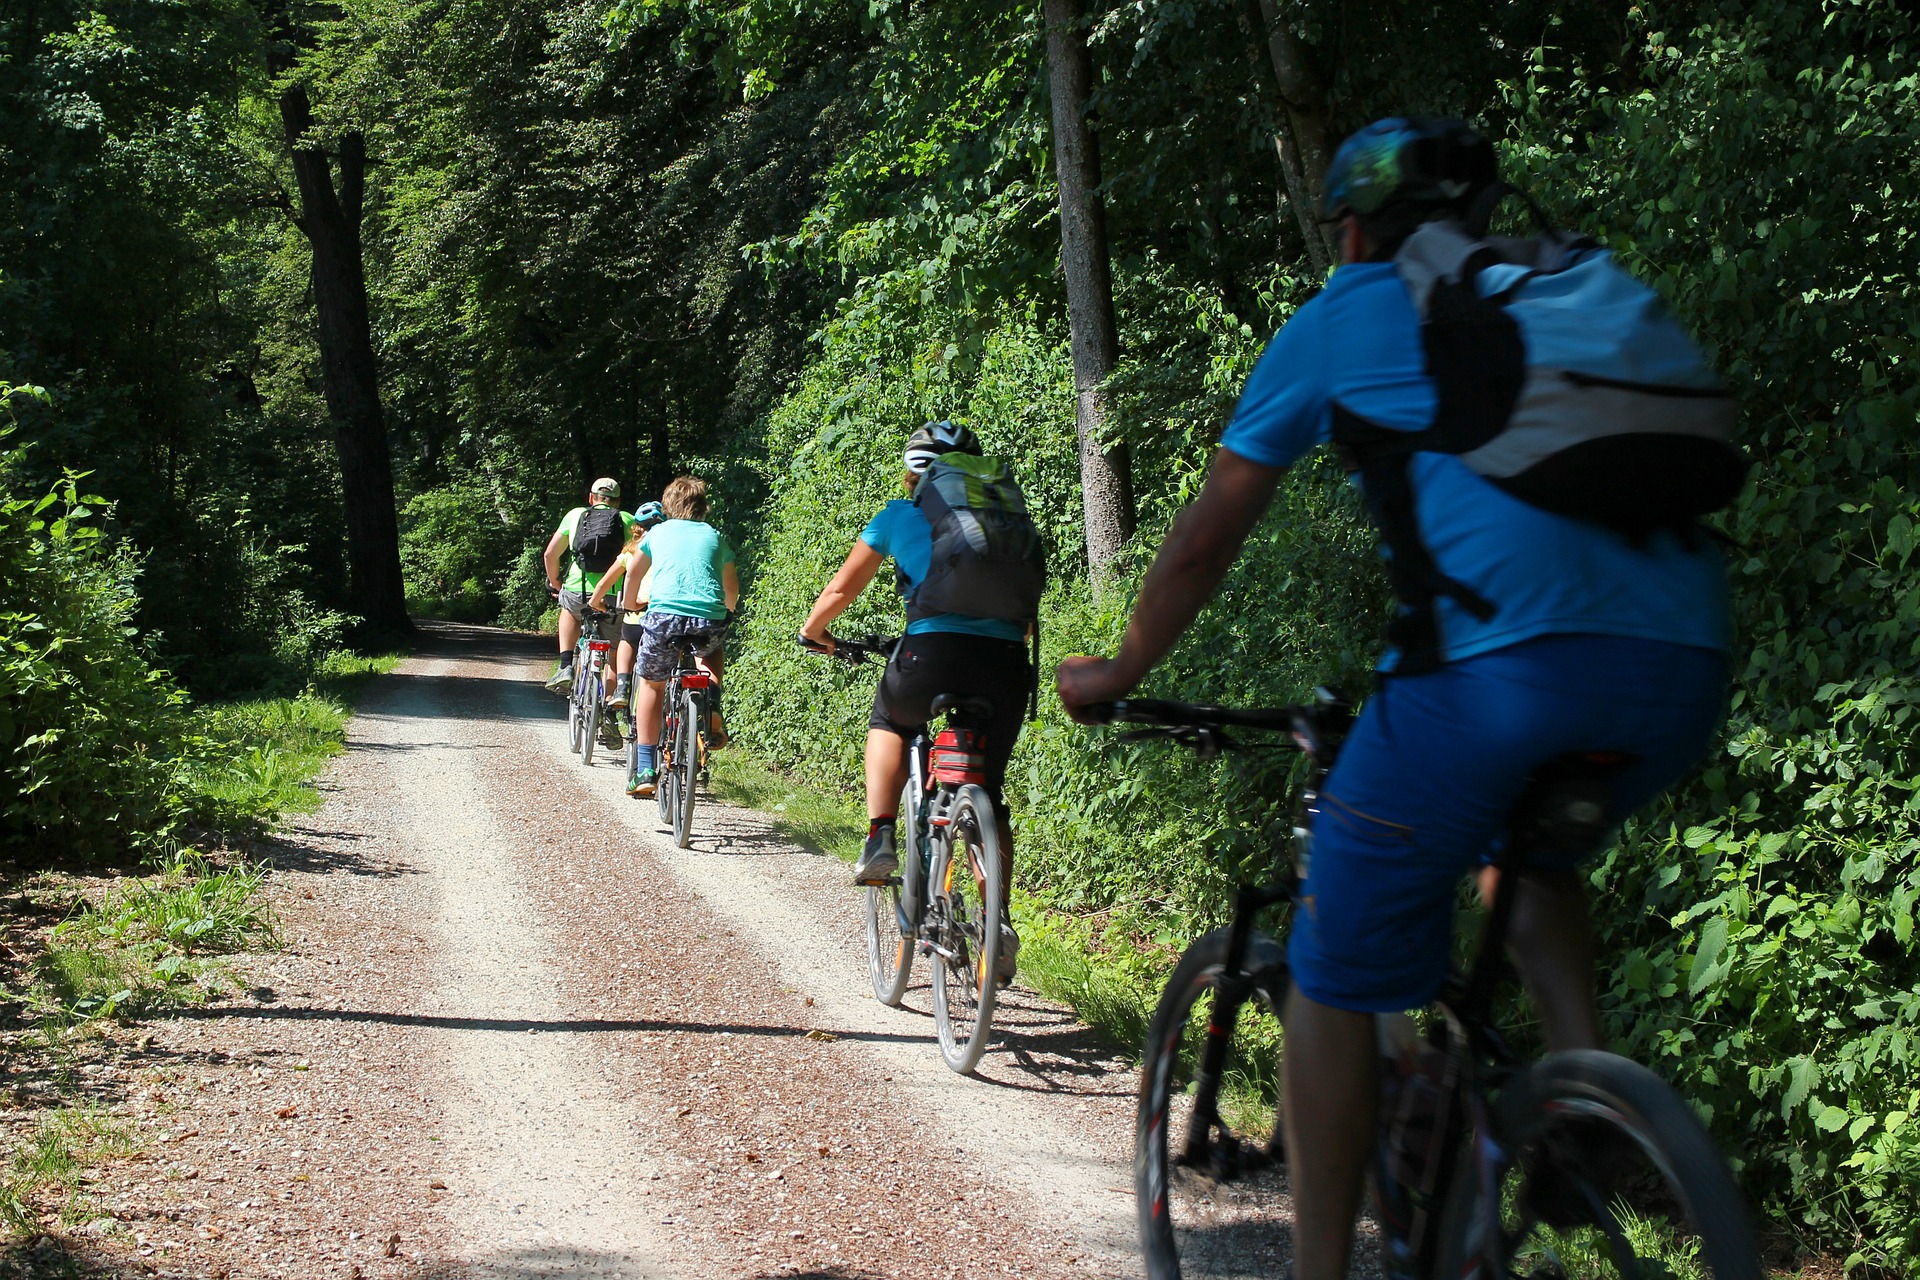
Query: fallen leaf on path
[[393, 1245], [287, 1113], [436, 1185], [817, 1034], [684, 1111]]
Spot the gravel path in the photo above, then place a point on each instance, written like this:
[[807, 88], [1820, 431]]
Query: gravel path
[[516, 1033]]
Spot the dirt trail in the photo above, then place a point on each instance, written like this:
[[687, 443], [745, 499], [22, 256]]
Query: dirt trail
[[516, 1033]]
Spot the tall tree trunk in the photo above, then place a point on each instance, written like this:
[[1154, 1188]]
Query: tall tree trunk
[[1303, 146], [330, 218], [659, 455], [1105, 481]]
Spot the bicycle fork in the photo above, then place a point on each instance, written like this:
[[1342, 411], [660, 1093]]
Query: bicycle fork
[[1210, 1145]]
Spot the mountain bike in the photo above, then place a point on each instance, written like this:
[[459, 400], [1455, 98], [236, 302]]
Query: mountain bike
[[682, 758], [587, 700], [1486, 1165], [947, 901]]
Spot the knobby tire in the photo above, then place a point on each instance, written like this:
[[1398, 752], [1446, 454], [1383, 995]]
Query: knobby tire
[[968, 915], [1635, 1175], [889, 948], [1222, 1215], [686, 767]]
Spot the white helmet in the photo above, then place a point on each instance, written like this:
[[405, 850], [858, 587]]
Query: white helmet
[[934, 439]]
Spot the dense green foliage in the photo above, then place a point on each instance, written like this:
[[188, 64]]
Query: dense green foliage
[[760, 241], [102, 754]]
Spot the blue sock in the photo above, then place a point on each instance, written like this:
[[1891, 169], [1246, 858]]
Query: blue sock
[[644, 755]]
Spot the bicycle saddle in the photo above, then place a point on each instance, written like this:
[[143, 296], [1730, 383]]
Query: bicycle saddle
[[974, 708], [1568, 806]]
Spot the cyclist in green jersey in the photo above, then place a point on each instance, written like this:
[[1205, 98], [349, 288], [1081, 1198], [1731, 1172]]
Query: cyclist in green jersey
[[590, 538]]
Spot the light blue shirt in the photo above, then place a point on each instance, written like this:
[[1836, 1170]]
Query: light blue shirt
[[901, 530], [1358, 344]]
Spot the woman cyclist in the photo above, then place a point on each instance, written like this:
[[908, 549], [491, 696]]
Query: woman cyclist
[[693, 587], [643, 519], [946, 653]]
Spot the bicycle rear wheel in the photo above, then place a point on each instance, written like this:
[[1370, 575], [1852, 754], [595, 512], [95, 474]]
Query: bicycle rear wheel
[[1209, 1175], [1606, 1172], [686, 767], [966, 910], [889, 947]]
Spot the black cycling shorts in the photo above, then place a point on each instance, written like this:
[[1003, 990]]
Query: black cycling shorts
[[926, 666]]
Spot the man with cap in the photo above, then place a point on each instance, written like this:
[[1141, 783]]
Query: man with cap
[[590, 537]]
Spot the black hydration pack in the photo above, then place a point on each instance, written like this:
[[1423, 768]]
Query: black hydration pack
[[1562, 380], [988, 559], [598, 538]]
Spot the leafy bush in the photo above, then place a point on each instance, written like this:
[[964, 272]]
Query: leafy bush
[[95, 744]]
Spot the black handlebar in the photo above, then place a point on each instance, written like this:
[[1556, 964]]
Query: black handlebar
[[1316, 729], [854, 649], [1191, 715]]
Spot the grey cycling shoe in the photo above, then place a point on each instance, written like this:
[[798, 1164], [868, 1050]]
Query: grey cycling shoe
[[878, 861], [561, 680], [1008, 962]]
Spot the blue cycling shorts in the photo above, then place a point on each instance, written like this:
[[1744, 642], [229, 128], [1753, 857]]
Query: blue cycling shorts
[[1422, 790]]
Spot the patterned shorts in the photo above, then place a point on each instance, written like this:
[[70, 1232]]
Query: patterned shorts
[[663, 635]]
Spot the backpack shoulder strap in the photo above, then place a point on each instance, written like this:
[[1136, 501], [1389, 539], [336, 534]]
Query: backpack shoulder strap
[[1382, 456]]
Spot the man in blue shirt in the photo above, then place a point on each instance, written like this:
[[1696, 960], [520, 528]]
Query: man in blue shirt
[[1594, 642], [942, 653]]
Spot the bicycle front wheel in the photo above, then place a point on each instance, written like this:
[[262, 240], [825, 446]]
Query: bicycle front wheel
[[889, 946], [1604, 1171], [1209, 1178], [590, 718], [686, 767], [967, 909], [664, 756]]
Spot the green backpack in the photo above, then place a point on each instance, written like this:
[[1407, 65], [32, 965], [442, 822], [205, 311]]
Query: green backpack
[[988, 559]]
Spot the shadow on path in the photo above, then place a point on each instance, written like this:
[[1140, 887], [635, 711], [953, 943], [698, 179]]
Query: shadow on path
[[450, 1022]]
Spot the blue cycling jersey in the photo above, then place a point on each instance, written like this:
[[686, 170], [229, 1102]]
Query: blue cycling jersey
[[1358, 344]]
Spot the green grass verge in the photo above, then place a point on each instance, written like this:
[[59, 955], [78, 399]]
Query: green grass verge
[[269, 749], [814, 819], [1089, 963]]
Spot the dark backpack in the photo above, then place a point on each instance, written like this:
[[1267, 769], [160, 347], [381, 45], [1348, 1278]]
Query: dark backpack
[[988, 559], [598, 538], [1559, 378]]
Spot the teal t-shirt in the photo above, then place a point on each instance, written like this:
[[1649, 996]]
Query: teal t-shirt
[[901, 530], [576, 578], [687, 557]]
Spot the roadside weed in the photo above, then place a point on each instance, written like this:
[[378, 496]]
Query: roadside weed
[[52, 1162], [150, 942]]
